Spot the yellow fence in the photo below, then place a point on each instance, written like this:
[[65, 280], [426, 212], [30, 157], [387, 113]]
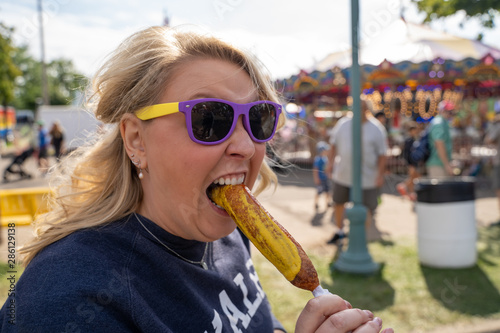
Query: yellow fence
[[20, 206]]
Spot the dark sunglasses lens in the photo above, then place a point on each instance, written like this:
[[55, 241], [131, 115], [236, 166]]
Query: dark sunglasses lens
[[262, 120], [211, 121]]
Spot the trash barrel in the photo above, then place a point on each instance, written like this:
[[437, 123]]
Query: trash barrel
[[446, 222]]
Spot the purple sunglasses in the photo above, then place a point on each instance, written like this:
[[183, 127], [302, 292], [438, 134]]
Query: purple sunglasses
[[213, 120]]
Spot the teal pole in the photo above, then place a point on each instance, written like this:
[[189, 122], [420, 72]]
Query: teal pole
[[356, 259]]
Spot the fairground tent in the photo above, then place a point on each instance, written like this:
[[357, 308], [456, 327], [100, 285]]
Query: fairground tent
[[405, 68]]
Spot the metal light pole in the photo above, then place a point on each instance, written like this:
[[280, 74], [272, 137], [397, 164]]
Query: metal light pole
[[45, 87], [356, 259]]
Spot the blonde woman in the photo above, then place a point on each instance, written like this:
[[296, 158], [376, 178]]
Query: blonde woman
[[133, 243]]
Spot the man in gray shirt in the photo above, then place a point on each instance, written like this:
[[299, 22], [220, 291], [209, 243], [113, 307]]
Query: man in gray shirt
[[374, 148]]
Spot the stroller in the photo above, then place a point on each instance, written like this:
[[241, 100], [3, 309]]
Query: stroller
[[16, 166]]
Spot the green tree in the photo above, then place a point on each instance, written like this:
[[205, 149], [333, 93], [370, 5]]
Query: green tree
[[65, 82], [29, 84], [8, 69], [483, 10]]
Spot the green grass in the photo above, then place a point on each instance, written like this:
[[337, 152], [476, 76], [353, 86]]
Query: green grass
[[408, 296]]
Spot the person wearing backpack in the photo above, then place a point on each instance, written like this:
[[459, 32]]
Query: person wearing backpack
[[440, 144], [410, 152]]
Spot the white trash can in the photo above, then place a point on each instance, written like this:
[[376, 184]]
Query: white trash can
[[446, 222]]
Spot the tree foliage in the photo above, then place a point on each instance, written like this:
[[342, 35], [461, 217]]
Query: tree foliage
[[21, 76], [29, 84], [483, 10], [8, 69], [64, 81]]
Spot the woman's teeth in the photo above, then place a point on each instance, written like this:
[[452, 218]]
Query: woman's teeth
[[230, 181], [224, 181]]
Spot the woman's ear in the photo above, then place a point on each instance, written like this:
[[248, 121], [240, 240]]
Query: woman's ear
[[132, 133]]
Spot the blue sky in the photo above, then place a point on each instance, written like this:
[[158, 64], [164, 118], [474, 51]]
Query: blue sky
[[286, 35]]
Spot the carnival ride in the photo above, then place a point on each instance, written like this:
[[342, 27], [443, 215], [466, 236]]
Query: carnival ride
[[406, 71]]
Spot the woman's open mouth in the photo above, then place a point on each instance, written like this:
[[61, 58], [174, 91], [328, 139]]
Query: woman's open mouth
[[234, 180]]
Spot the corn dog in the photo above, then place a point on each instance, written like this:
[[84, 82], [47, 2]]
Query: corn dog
[[268, 236]]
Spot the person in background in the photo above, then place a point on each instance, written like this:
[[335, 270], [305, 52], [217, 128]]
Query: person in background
[[133, 242], [42, 148], [57, 139], [380, 116], [321, 179], [440, 143], [374, 148], [406, 187], [492, 137]]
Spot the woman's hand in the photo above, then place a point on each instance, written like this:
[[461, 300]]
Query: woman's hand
[[330, 313]]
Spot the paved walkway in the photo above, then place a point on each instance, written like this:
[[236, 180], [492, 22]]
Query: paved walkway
[[292, 204]]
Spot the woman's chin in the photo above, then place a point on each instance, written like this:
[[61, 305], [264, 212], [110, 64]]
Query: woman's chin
[[220, 229]]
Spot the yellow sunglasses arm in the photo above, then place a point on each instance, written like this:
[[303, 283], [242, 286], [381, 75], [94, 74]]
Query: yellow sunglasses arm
[[157, 110]]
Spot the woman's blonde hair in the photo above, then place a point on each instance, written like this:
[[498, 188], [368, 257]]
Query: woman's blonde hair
[[97, 184]]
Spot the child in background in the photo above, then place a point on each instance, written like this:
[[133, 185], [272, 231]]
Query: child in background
[[320, 177]]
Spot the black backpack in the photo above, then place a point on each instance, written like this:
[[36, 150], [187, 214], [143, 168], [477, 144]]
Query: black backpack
[[420, 150]]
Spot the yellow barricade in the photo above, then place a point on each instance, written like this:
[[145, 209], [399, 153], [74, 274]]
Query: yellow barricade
[[20, 206]]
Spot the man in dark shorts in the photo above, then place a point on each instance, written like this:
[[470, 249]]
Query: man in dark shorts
[[374, 147]]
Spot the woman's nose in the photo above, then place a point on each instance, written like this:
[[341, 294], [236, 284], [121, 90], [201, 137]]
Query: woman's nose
[[240, 142]]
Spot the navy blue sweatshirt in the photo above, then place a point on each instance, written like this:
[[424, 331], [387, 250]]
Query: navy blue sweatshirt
[[119, 278]]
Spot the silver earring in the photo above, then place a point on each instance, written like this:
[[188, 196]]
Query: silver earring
[[140, 175], [137, 162]]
